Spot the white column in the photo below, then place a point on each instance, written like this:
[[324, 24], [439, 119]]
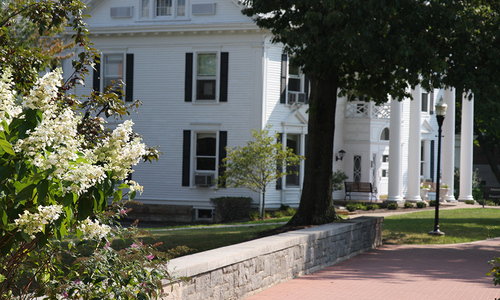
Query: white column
[[466, 144], [448, 145], [427, 158], [395, 193], [414, 144]]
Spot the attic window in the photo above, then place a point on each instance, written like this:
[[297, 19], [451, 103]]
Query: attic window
[[163, 8]]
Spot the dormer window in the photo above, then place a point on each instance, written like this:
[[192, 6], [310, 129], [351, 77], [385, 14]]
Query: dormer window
[[169, 9]]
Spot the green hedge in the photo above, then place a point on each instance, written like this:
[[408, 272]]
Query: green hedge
[[228, 209]]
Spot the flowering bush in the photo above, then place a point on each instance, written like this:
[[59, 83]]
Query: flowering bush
[[54, 183]]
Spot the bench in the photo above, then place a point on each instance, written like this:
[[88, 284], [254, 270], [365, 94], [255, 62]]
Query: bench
[[359, 187]]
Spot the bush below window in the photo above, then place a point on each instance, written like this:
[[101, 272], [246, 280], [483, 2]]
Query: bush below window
[[231, 208]]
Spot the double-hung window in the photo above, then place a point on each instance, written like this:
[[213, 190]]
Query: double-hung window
[[163, 9], [206, 77], [206, 152], [113, 69], [294, 83], [203, 152], [293, 142]]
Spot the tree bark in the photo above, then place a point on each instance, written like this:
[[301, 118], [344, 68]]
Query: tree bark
[[487, 153], [316, 203]]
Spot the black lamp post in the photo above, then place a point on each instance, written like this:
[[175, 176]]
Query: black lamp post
[[440, 114]]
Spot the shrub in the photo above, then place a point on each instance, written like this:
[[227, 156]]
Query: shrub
[[231, 208], [491, 203], [470, 202], [290, 211], [372, 207], [360, 206], [409, 205], [253, 215], [351, 206], [279, 214], [421, 204], [268, 215], [392, 206], [432, 203], [284, 207]]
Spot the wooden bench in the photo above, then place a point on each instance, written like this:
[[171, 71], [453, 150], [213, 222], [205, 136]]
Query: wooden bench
[[359, 187]]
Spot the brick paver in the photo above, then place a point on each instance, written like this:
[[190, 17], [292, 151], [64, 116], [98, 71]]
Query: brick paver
[[456, 271]]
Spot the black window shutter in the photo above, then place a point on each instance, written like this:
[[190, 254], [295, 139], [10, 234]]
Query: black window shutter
[[306, 88], [279, 181], [284, 73], [188, 80], [186, 157], [96, 78], [222, 152], [224, 72], [129, 79]]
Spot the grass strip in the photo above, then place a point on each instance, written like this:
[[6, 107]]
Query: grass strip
[[459, 225]]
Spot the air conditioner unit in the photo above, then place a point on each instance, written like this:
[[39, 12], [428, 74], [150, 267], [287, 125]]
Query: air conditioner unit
[[121, 12], [296, 97], [204, 179]]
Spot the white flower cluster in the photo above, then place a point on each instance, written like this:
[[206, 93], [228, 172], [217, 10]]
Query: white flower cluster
[[134, 186], [55, 146], [93, 230], [8, 108], [32, 223], [44, 91], [120, 151]]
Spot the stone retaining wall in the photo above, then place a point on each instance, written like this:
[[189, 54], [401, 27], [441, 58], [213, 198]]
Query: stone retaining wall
[[241, 270]]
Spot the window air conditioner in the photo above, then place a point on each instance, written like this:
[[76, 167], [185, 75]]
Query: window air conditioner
[[121, 12], [204, 179], [296, 97]]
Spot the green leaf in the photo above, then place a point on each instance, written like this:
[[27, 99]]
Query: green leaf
[[7, 147], [6, 172], [25, 193], [42, 188]]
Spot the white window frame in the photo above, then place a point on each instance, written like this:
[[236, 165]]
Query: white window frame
[[197, 77], [104, 67], [194, 156], [302, 151], [148, 10], [301, 76]]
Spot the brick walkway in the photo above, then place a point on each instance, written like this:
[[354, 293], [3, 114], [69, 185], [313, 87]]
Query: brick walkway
[[406, 272]]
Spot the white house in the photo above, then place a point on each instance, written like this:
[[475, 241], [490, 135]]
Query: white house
[[207, 76]]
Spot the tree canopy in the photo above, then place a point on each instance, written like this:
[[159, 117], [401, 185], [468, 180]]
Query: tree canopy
[[373, 48]]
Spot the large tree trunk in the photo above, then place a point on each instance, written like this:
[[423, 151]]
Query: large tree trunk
[[316, 203], [492, 161]]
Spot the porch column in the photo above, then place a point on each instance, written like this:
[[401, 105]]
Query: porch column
[[395, 159], [466, 144], [414, 144], [427, 158], [448, 146]]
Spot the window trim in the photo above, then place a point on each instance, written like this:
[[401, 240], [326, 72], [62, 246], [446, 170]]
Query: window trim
[[302, 150], [221, 77], [104, 67], [285, 82], [197, 77]]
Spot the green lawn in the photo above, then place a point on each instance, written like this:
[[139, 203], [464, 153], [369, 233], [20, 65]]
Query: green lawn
[[459, 226], [200, 238]]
